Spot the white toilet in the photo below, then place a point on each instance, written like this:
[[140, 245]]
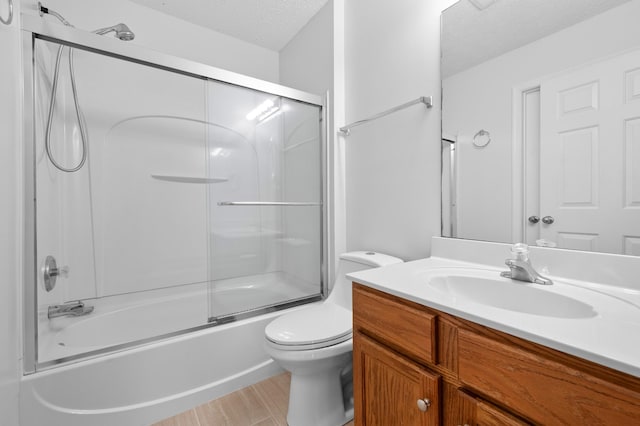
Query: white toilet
[[315, 345]]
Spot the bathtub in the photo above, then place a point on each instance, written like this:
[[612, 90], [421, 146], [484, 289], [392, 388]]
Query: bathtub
[[134, 317], [146, 384], [150, 382]]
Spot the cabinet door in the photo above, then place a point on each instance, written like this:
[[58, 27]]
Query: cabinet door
[[390, 389], [468, 410]]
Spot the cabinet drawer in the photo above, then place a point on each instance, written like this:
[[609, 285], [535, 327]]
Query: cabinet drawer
[[540, 388], [404, 326]]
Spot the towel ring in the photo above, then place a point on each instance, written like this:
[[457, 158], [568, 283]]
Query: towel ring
[[10, 18], [482, 138]]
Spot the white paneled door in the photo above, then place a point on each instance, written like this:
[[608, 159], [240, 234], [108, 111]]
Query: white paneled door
[[590, 157]]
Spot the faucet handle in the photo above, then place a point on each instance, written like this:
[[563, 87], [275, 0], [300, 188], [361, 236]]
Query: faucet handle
[[520, 251]]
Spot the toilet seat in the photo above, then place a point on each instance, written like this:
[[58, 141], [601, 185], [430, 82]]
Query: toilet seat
[[311, 328]]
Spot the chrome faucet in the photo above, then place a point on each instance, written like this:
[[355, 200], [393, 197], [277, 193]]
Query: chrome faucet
[[521, 268], [73, 309]]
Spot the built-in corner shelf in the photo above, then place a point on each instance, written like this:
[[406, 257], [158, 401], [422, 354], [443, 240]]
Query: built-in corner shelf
[[189, 179]]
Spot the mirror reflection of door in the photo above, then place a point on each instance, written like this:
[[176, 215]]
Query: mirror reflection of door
[[531, 147], [590, 148], [498, 77]]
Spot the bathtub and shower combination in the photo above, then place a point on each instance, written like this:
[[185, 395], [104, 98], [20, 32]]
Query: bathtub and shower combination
[[174, 210]]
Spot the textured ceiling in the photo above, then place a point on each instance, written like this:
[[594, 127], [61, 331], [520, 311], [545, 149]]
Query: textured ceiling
[[470, 36], [267, 23]]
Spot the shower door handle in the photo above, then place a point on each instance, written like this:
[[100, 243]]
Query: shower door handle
[[268, 203]]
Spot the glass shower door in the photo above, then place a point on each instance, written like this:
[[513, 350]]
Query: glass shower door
[[169, 201], [127, 229], [265, 214]]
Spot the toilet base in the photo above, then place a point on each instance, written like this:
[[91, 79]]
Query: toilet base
[[319, 380], [317, 399]]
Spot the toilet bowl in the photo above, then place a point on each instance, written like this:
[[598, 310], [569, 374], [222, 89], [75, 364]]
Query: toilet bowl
[[315, 345]]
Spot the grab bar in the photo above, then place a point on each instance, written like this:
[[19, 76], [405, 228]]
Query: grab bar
[[10, 18], [427, 100], [265, 203]]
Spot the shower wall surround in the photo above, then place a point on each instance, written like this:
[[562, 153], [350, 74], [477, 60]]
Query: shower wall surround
[[103, 221]]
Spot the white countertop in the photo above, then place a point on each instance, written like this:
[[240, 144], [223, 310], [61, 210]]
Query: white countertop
[[607, 332]]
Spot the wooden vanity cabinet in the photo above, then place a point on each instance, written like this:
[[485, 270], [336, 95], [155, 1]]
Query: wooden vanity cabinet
[[468, 374]]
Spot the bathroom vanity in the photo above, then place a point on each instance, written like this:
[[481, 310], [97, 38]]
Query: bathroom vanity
[[419, 366], [422, 357]]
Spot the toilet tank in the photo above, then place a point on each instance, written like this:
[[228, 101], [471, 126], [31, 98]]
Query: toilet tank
[[353, 262]]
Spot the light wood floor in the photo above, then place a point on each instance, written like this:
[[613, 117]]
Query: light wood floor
[[262, 404]]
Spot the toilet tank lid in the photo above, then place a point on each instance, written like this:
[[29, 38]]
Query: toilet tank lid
[[370, 258]]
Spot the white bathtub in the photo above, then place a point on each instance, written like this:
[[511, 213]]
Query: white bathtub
[[146, 384], [141, 385]]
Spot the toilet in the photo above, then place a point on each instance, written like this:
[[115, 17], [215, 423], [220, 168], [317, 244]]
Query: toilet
[[315, 344]]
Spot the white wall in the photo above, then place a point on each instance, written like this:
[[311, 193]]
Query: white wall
[[165, 33], [481, 98], [10, 218], [393, 164], [306, 62], [313, 61]]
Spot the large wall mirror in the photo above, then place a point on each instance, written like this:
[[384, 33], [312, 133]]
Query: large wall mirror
[[541, 123]]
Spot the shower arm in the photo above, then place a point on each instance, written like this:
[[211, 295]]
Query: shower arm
[[42, 10]]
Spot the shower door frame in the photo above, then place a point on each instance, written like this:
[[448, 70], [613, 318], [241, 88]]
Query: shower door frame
[[36, 28]]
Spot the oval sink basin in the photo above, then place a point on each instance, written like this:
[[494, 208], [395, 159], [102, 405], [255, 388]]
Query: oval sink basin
[[503, 293]]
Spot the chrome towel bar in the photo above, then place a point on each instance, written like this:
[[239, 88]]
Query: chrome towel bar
[[265, 203], [10, 18], [427, 100]]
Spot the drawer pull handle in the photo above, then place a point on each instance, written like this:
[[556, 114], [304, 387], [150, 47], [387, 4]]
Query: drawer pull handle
[[424, 404]]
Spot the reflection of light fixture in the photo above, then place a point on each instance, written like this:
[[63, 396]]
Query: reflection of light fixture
[[482, 4], [261, 109], [269, 113]]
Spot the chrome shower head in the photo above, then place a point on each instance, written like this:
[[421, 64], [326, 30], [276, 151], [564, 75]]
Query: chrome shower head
[[123, 32]]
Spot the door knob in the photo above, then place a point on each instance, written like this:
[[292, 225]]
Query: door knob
[[424, 404], [534, 219], [548, 220]]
